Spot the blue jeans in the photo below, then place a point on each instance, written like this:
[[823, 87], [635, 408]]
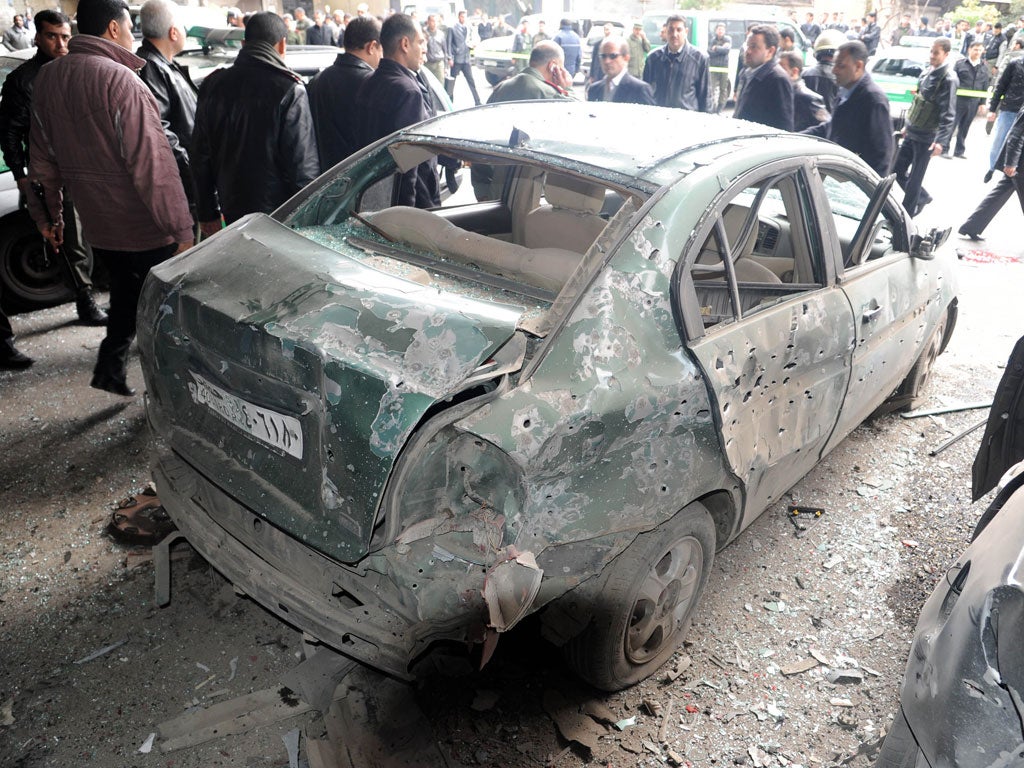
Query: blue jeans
[[1004, 119]]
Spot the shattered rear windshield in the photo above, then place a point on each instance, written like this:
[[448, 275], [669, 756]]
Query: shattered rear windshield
[[515, 226]]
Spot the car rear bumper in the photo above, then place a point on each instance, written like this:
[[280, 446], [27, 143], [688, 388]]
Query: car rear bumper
[[346, 608]]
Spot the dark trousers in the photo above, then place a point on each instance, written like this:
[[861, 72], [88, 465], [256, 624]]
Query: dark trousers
[[466, 70], [911, 163], [6, 333], [128, 270], [966, 110], [993, 202]]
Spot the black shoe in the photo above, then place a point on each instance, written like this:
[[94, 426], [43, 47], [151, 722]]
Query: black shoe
[[988, 175], [13, 360], [961, 155], [88, 312], [112, 384], [972, 235], [923, 199]]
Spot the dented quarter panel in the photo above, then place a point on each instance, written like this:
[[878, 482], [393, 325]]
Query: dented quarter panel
[[627, 438], [964, 689]]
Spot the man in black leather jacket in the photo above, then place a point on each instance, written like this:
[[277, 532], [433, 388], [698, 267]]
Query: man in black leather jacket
[[928, 131], [176, 95], [53, 31], [332, 93], [253, 146]]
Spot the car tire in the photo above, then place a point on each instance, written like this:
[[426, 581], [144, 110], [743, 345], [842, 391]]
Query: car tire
[[899, 750], [31, 278], [908, 396], [493, 78], [643, 608]]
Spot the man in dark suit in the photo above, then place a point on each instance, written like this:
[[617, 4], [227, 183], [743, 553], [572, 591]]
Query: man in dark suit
[[617, 84], [861, 121], [393, 98], [333, 91], [767, 94], [1011, 162]]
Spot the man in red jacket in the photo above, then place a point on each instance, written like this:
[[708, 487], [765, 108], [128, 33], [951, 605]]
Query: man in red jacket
[[97, 131]]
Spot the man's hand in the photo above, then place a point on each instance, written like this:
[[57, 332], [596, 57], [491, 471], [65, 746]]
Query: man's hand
[[210, 228], [936, 149], [560, 76], [991, 117], [54, 235], [1010, 171], [182, 247]]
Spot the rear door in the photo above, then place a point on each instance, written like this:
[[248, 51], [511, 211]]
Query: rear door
[[769, 327]]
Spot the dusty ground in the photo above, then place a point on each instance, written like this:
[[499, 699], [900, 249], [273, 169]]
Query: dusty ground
[[848, 591]]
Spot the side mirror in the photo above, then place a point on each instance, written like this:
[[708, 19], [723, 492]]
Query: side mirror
[[924, 246]]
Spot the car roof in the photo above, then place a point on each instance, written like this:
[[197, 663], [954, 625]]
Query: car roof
[[623, 140]]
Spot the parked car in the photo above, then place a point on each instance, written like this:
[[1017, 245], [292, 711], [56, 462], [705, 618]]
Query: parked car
[[494, 55], [560, 392], [898, 68], [960, 704], [218, 46]]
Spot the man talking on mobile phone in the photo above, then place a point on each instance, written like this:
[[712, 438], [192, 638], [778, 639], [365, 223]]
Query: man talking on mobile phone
[[545, 78]]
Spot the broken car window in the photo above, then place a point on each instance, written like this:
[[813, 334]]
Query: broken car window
[[848, 198], [757, 252], [504, 220]]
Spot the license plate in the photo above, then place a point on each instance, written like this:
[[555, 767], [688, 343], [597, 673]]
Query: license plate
[[267, 426], [490, 63]]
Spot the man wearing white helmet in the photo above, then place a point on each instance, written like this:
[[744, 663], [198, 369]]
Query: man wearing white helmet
[[820, 78]]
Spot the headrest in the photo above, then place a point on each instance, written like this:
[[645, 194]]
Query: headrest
[[573, 193]]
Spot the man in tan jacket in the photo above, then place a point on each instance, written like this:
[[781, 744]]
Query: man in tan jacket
[[97, 131]]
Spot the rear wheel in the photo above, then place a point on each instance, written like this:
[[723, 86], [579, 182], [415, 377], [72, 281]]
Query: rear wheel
[[647, 598], [909, 394], [32, 277], [899, 750]]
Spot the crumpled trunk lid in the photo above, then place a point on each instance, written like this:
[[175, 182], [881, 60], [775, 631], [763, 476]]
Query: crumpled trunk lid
[[294, 386]]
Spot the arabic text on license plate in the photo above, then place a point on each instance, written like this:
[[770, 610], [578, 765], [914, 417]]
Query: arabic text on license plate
[[274, 429]]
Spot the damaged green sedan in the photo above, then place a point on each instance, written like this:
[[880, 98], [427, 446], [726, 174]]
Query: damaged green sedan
[[628, 333]]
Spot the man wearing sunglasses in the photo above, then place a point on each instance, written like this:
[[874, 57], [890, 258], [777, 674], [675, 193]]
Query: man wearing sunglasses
[[617, 84]]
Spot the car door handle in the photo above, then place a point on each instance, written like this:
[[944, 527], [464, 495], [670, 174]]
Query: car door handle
[[870, 314]]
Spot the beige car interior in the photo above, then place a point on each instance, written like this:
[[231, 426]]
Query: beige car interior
[[768, 244], [555, 219]]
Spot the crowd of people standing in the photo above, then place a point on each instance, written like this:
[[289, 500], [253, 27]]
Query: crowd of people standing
[[142, 167]]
